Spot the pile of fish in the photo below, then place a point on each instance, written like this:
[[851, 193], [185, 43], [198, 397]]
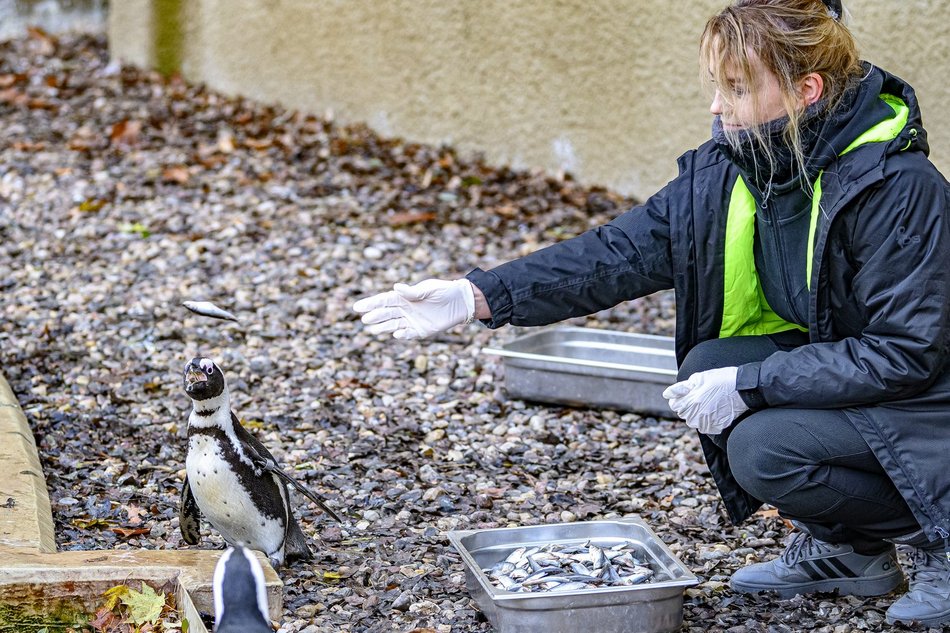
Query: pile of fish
[[570, 567]]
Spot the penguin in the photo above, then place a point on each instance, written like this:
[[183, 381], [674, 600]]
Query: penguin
[[232, 479], [240, 597]]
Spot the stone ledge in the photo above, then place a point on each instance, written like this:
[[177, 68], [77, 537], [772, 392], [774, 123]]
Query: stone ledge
[[26, 518]]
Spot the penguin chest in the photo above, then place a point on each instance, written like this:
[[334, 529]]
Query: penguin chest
[[243, 508]]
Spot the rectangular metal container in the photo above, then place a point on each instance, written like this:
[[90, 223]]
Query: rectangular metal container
[[590, 367], [646, 608]]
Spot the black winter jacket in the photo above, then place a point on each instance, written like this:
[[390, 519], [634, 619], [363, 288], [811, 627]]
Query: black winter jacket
[[879, 304]]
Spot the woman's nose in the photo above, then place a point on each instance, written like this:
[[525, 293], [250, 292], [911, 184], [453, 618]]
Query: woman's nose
[[716, 106]]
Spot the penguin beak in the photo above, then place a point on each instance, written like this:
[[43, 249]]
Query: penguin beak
[[194, 375]]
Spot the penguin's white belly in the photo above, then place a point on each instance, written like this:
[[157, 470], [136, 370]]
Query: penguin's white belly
[[225, 502]]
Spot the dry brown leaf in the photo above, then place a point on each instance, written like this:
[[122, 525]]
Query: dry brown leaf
[[27, 146], [258, 143], [130, 532], [125, 132], [44, 42], [135, 515], [103, 620], [41, 104], [13, 96], [177, 174], [410, 217]]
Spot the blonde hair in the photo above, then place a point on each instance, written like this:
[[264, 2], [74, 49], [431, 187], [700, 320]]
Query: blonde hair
[[791, 39]]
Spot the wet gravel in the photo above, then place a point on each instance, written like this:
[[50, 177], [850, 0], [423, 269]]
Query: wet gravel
[[123, 195]]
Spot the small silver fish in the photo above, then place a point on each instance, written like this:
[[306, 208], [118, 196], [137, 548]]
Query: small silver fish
[[639, 575], [580, 568], [504, 567], [570, 567], [208, 309], [569, 586], [507, 582]]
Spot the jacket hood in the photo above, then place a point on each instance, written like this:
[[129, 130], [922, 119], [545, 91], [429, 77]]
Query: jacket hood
[[860, 111]]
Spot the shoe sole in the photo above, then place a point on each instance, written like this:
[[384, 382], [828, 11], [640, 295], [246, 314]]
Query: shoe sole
[[935, 621], [876, 586]]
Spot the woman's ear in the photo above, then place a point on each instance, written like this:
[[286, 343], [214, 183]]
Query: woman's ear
[[811, 87]]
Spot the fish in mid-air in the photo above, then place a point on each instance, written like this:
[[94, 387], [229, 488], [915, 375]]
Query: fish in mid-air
[[208, 309]]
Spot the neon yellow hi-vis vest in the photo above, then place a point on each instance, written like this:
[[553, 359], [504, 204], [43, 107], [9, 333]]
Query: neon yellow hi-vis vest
[[745, 310]]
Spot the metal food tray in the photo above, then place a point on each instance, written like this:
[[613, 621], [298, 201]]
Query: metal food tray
[[651, 607], [590, 367]]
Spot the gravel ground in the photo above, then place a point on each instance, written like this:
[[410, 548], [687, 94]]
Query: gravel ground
[[121, 195]]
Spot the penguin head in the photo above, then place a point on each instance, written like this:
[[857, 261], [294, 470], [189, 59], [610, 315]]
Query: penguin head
[[203, 379], [240, 596]]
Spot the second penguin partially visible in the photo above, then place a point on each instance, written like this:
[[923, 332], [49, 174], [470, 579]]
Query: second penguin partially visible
[[232, 478], [240, 595]]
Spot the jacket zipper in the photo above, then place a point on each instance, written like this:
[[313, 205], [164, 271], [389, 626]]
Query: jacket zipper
[[782, 255]]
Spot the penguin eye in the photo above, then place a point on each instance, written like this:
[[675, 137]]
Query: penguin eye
[[206, 365]]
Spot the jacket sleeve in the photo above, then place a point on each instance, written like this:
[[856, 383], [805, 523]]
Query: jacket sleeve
[[624, 259], [898, 249]]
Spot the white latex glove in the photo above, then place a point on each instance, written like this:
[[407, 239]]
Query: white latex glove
[[418, 311], [707, 400]]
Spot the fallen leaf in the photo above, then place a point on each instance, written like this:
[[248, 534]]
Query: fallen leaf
[[13, 96], [91, 206], [125, 132], [135, 515], [177, 174], [27, 146], [258, 143], [88, 524], [103, 620], [114, 595], [410, 217], [144, 606], [135, 227], [130, 532]]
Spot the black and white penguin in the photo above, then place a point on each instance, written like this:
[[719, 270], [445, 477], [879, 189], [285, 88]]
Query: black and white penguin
[[240, 596], [232, 479]]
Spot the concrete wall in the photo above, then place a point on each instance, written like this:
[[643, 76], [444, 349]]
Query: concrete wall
[[608, 90]]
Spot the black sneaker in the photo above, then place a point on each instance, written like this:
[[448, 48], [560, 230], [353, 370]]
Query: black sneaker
[[928, 599], [808, 565]]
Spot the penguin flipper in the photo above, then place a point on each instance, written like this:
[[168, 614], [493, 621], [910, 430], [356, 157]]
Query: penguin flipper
[[263, 459], [189, 515]]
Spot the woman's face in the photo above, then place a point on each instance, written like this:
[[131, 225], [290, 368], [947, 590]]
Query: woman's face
[[740, 105]]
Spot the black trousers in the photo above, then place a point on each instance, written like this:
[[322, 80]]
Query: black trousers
[[812, 465]]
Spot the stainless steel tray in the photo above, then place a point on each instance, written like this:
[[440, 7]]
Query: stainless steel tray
[[647, 608], [590, 367]]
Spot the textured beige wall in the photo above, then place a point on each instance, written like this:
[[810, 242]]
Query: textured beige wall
[[606, 89]]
